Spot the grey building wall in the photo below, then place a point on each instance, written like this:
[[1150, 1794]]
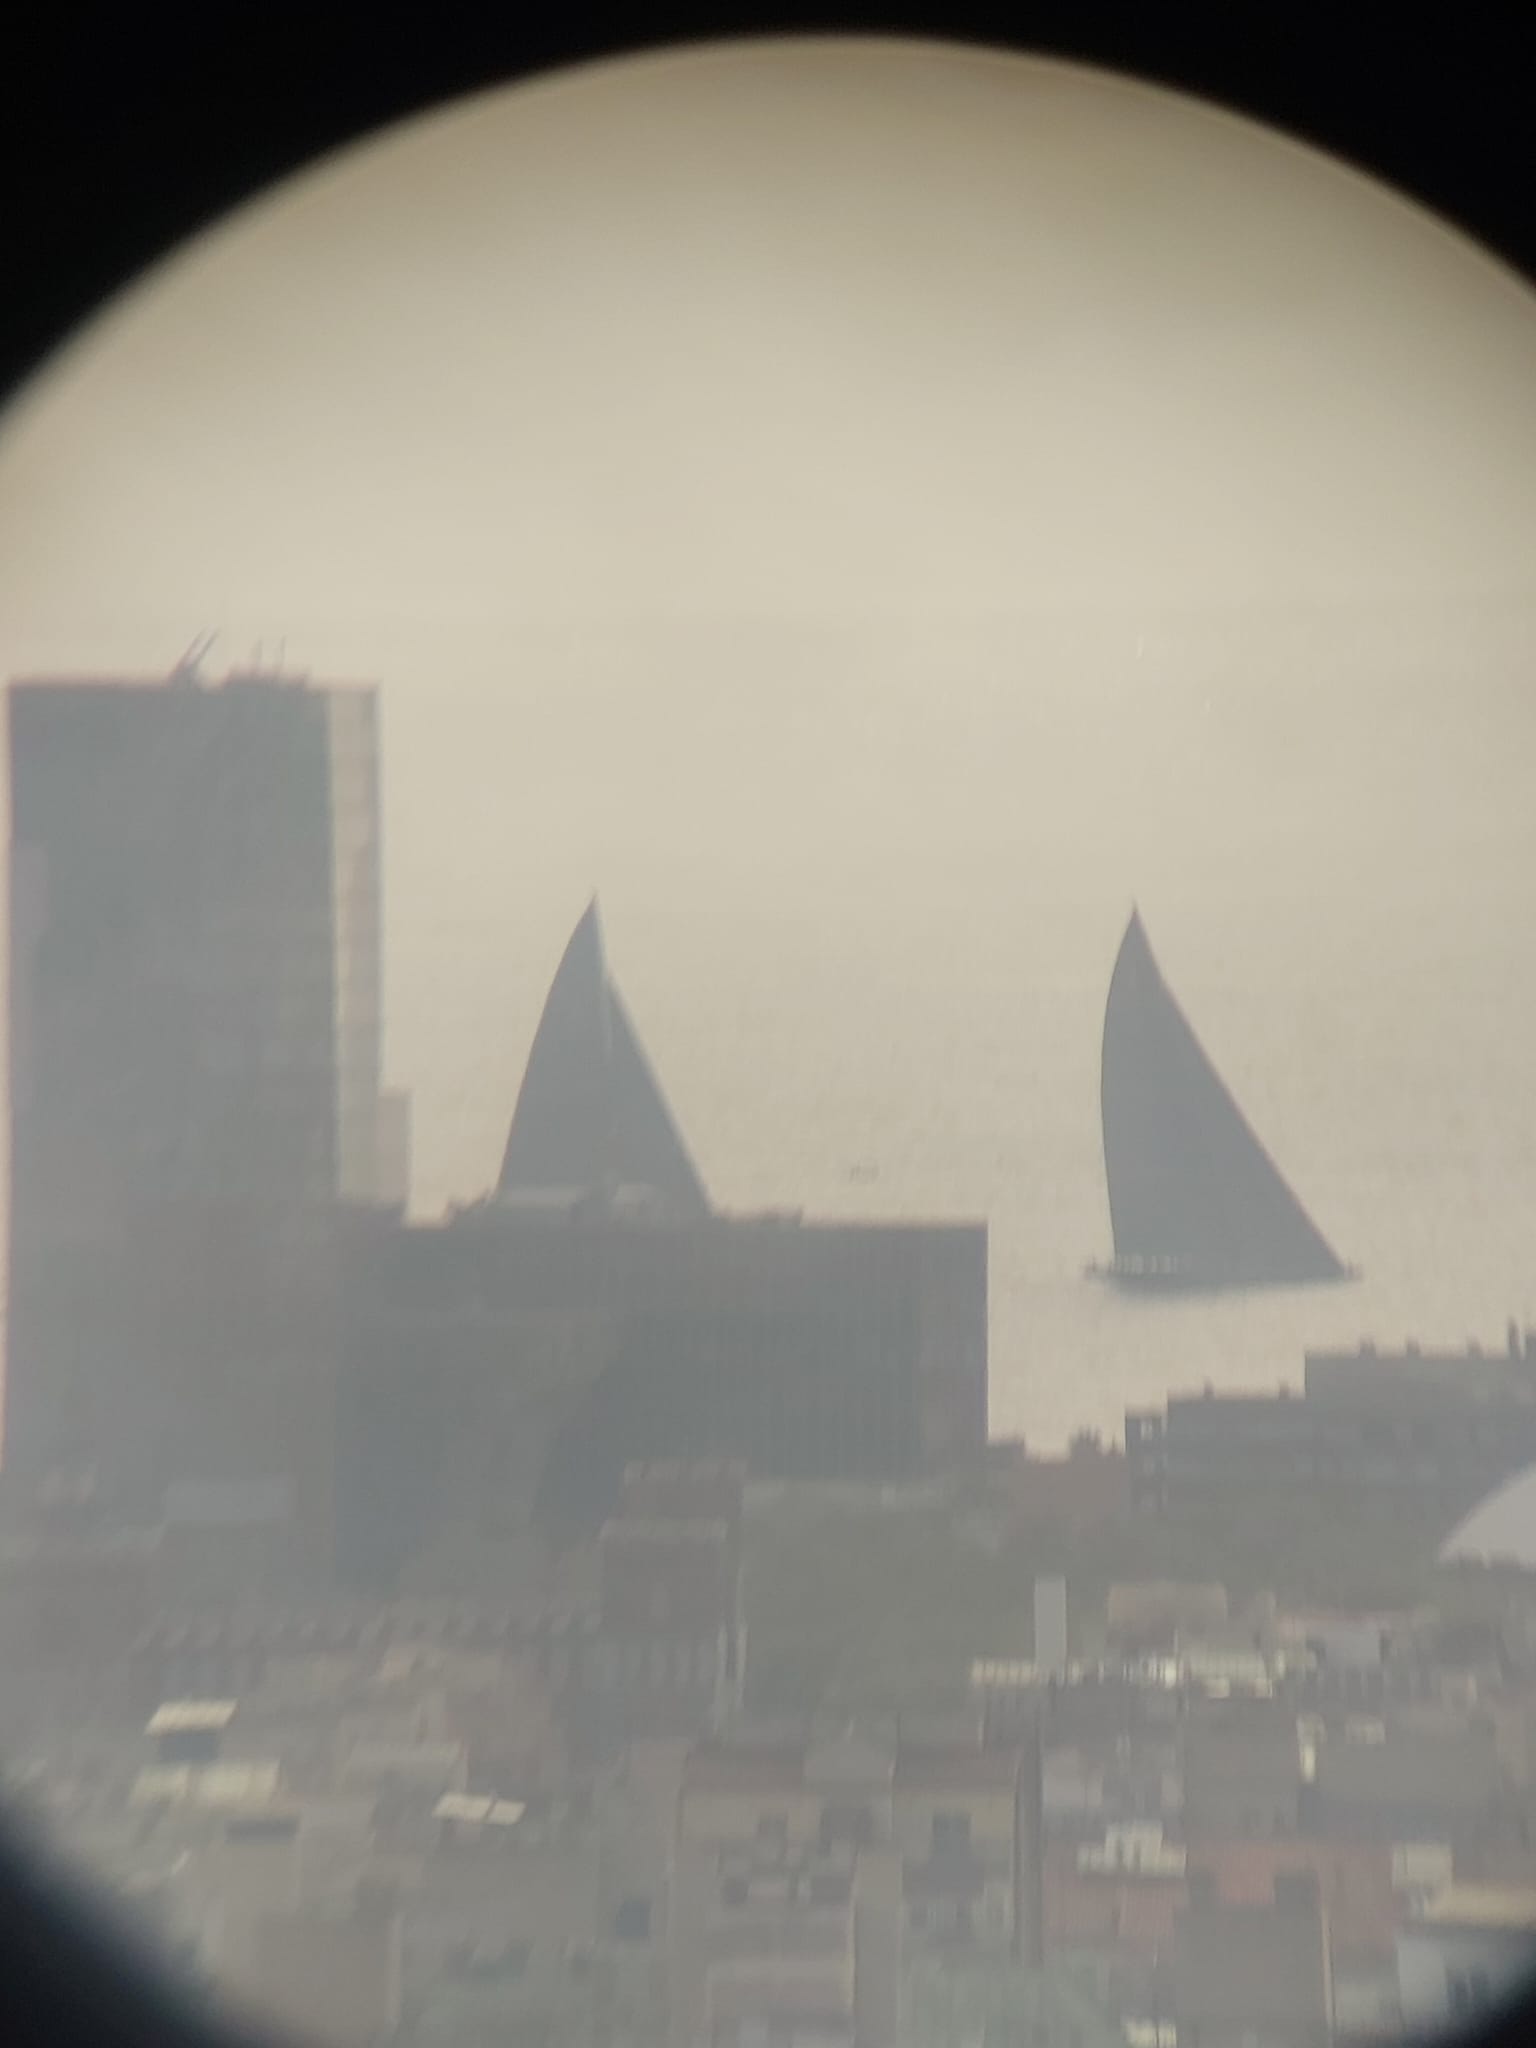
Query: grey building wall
[[1255, 1974], [502, 1370], [195, 1044]]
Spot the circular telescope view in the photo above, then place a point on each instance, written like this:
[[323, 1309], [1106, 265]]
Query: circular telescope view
[[772, 1080]]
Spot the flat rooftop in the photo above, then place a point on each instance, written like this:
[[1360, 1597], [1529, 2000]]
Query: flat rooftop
[[1483, 1905], [191, 1717]]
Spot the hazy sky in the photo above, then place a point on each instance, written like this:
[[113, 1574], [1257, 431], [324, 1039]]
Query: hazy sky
[[805, 327], [798, 469]]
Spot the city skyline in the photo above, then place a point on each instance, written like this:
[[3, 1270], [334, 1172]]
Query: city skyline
[[1093, 499], [863, 1184]]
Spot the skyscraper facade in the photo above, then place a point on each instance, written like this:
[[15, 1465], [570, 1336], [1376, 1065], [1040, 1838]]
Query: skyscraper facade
[[195, 992]]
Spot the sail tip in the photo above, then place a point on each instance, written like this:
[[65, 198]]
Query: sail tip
[[589, 928], [1134, 942]]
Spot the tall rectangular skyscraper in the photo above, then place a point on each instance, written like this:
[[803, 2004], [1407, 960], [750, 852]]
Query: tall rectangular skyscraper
[[195, 940], [195, 1016]]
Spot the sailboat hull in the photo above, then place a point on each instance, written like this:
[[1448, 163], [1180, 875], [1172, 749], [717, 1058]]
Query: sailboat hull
[[1132, 1277]]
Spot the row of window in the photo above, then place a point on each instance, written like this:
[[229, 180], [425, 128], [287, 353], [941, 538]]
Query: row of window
[[959, 1917], [855, 1823], [659, 1665]]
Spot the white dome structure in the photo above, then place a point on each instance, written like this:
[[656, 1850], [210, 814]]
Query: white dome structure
[[1501, 1529]]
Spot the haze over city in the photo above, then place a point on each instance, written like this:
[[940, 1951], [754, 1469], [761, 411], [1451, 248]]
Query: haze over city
[[873, 563], [874, 517]]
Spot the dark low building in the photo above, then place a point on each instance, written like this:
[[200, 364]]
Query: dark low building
[[1407, 1787], [1254, 1976], [499, 1371], [1242, 1772], [668, 1657], [1441, 1427], [508, 1365]]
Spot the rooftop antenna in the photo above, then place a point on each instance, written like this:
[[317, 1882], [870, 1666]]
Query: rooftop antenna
[[189, 668]]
